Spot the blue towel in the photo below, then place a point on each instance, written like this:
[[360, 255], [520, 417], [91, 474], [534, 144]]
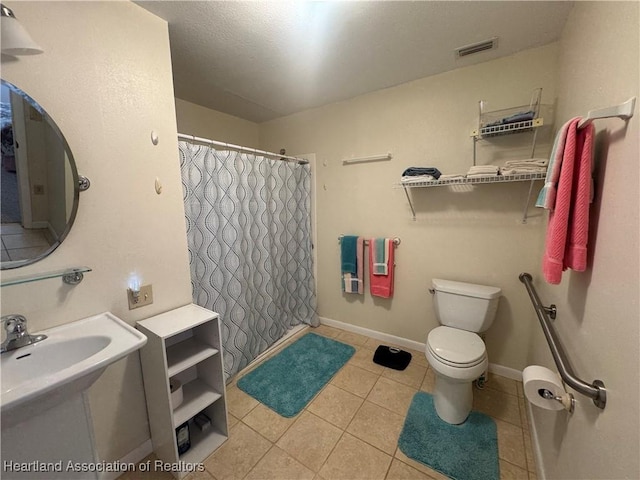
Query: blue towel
[[348, 259], [416, 171]]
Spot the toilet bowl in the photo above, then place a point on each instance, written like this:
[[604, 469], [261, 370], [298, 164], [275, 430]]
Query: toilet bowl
[[454, 350], [457, 357]]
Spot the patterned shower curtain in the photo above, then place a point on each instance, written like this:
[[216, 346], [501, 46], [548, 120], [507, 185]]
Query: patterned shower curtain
[[249, 238]]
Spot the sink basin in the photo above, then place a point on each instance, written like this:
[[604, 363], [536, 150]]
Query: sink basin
[[72, 357]]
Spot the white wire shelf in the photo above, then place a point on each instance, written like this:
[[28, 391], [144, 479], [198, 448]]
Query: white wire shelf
[[519, 177], [508, 128], [474, 180]]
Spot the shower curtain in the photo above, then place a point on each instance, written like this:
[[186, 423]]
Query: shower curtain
[[249, 238]]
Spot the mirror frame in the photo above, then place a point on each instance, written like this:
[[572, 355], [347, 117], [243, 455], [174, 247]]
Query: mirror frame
[[75, 178]]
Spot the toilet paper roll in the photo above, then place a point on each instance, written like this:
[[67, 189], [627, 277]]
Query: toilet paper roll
[[535, 380], [176, 393]]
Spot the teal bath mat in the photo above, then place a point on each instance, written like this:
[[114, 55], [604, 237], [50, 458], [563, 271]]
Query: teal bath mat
[[287, 382], [463, 452]]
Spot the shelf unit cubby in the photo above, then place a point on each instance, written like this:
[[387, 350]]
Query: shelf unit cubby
[[184, 345]]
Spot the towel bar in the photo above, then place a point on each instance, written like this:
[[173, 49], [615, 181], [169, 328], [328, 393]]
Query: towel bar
[[396, 240], [594, 390]]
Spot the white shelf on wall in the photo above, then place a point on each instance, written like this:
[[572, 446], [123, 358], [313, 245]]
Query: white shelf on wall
[[474, 180], [520, 177], [184, 345]]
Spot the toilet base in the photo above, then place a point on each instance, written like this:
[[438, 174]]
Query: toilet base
[[452, 399]]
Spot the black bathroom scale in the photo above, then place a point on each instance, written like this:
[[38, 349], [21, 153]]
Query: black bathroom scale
[[392, 357]]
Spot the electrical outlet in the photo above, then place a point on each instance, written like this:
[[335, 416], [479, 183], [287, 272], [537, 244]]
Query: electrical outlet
[[144, 297]]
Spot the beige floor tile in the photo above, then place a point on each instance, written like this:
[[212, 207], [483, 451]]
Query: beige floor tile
[[335, 405], [497, 404], [431, 473], [528, 450], [392, 395], [411, 376], [377, 426], [418, 357], [355, 380], [239, 403], [231, 421], [146, 474], [511, 444], [327, 331], [373, 344], [278, 465], [502, 384], [524, 413], [429, 382], [520, 389], [238, 455], [352, 338], [199, 476], [353, 459], [363, 358], [402, 471], [310, 440], [267, 422], [509, 471]]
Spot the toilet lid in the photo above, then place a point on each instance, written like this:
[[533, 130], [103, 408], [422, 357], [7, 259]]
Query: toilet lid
[[456, 347]]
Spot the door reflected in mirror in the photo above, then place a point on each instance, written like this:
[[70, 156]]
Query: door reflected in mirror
[[39, 181]]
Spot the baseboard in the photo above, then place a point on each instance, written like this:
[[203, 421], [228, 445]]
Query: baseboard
[[385, 337], [412, 344], [506, 372], [132, 457]]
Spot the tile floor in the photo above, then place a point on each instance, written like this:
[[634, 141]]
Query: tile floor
[[350, 430], [18, 243]]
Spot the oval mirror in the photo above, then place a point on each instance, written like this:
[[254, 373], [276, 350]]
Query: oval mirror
[[39, 181]]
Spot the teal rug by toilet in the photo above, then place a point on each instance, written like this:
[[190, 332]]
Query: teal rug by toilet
[[288, 381], [464, 452]]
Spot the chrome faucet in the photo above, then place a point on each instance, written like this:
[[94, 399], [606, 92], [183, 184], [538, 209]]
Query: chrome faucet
[[17, 335]]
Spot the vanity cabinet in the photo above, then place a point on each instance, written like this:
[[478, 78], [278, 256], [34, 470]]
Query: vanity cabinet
[[184, 346]]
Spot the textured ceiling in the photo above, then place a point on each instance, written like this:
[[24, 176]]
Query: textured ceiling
[[263, 60]]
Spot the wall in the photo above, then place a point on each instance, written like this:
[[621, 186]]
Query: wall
[[105, 78], [473, 234], [203, 122], [598, 309]]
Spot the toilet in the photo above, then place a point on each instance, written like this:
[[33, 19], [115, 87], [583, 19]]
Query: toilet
[[454, 350]]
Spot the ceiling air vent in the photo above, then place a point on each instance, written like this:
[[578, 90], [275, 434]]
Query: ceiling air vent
[[477, 47]]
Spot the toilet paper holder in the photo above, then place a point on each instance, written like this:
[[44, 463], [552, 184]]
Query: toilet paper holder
[[567, 400]]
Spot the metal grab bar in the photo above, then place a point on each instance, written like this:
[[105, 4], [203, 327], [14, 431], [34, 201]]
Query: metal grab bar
[[594, 390]]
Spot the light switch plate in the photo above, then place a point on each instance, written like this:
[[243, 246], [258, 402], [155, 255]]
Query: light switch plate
[[145, 297]]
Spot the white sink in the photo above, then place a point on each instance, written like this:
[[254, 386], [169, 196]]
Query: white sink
[[39, 376]]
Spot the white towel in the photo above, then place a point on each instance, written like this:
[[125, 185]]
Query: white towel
[[483, 169], [531, 162], [417, 179], [516, 170]]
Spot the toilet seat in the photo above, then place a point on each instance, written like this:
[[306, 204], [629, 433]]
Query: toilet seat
[[456, 348]]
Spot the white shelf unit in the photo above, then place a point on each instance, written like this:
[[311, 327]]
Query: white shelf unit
[[509, 121], [184, 345], [520, 177]]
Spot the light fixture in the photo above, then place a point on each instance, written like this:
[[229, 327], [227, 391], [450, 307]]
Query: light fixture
[[134, 288], [15, 39]]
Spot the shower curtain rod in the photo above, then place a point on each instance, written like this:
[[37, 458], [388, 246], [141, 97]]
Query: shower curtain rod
[[241, 148]]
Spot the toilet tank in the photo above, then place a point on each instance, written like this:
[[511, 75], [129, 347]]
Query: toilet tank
[[466, 306]]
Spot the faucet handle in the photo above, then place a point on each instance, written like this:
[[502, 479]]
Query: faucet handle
[[14, 323]]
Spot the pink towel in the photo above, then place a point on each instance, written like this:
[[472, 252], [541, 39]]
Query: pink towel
[[567, 230], [381, 285]]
